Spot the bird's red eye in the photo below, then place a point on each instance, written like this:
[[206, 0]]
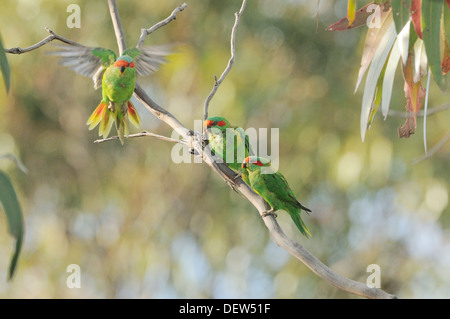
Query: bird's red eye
[[221, 123], [209, 123], [131, 65]]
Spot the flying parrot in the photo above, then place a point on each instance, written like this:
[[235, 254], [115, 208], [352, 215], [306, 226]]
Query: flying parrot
[[117, 77], [273, 187], [228, 142]]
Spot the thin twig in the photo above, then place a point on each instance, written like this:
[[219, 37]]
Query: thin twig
[[160, 112], [142, 134], [222, 169], [48, 39], [297, 250], [421, 113], [120, 36], [280, 238], [433, 150], [172, 16], [230, 61]]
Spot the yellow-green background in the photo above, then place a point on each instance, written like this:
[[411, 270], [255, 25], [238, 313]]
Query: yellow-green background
[[141, 226]]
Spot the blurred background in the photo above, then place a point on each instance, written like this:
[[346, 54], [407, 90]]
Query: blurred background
[[141, 226]]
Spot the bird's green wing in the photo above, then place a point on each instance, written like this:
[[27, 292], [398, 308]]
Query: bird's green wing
[[107, 56], [278, 184], [235, 147], [147, 60], [133, 53], [87, 61], [246, 142], [288, 194]]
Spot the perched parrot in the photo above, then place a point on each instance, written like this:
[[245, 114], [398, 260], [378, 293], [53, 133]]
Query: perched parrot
[[219, 137], [117, 77], [275, 190]]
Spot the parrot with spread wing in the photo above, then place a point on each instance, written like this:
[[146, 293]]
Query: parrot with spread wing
[[273, 187], [227, 141], [117, 77]]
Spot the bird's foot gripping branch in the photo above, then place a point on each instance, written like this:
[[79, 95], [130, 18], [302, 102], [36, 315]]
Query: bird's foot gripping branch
[[266, 192]]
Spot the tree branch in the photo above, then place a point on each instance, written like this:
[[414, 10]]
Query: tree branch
[[142, 134], [146, 32], [48, 39], [230, 61], [223, 170], [430, 112], [196, 140], [120, 35], [433, 150]]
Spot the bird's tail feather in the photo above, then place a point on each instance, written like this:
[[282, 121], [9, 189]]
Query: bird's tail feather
[[300, 205], [133, 115], [300, 224], [105, 117], [120, 122], [102, 116], [106, 124], [97, 115]]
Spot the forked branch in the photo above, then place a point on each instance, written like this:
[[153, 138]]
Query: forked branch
[[195, 140], [225, 72], [172, 16], [225, 172], [50, 38]]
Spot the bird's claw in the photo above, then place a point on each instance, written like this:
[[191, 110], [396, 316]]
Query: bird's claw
[[205, 142], [111, 107], [231, 185], [190, 133], [269, 213]]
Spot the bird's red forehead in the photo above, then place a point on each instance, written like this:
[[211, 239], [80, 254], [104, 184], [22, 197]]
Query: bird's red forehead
[[249, 160], [120, 63], [209, 123]]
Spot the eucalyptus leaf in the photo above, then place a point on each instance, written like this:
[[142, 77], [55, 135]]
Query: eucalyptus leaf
[[4, 67], [400, 12], [403, 39], [11, 207], [373, 39], [375, 70], [431, 14], [389, 74]]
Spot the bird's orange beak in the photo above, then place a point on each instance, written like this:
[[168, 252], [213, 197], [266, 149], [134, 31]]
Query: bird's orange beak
[[122, 65]]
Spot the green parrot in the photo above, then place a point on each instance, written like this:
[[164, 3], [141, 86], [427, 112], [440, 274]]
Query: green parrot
[[217, 128], [273, 187], [117, 77]]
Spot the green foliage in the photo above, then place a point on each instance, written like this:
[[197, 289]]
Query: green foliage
[[380, 51], [400, 12], [141, 226], [8, 196], [11, 207], [4, 66], [431, 14]]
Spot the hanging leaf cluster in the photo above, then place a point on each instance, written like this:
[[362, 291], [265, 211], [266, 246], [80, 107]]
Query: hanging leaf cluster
[[414, 34]]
